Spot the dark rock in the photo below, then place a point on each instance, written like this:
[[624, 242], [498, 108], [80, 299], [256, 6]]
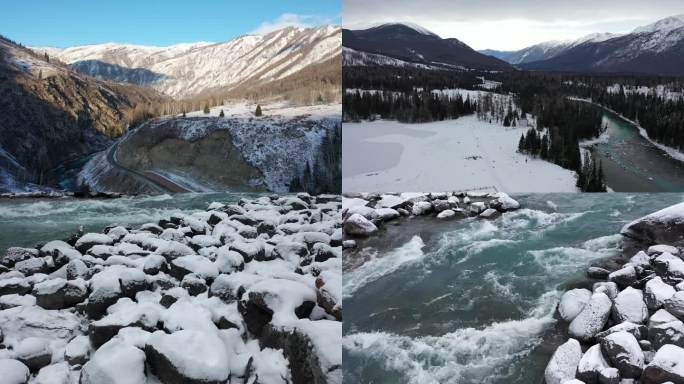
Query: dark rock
[[255, 312], [60, 293], [597, 273]]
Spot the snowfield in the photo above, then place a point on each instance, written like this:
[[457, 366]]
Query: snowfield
[[460, 154], [237, 293]]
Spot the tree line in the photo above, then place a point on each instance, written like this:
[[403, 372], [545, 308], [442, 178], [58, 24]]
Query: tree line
[[409, 107]]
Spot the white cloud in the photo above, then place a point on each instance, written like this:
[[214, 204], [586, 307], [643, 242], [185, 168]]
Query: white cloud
[[291, 20]]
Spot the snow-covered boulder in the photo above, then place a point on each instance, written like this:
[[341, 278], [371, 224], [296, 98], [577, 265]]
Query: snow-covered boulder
[[392, 201], [116, 362], [675, 305], [489, 213], [563, 364], [572, 302], [77, 351], [387, 214], [657, 292], [624, 277], [638, 330], [421, 208], [667, 333], [198, 265], [662, 227], [367, 212], [13, 372], [503, 202], [640, 259], [14, 255], [662, 248], [87, 241], [477, 207], [31, 266], [592, 318], [630, 306], [607, 287], [59, 293], [667, 365], [624, 353], [34, 352], [357, 225], [446, 214], [591, 364], [661, 316], [188, 356], [609, 375]]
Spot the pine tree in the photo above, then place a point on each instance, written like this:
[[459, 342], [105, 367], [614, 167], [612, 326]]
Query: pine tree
[[257, 113], [183, 113], [221, 114], [206, 109], [521, 143], [47, 58]]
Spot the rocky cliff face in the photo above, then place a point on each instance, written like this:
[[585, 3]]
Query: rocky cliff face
[[51, 114], [206, 152]]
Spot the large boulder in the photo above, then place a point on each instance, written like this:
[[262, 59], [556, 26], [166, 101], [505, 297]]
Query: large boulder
[[675, 305], [357, 225], [14, 255], [188, 356], [78, 350], [572, 302], [668, 333], [657, 292], [563, 364], [624, 277], [34, 352], [624, 353], [630, 306], [13, 372], [116, 362], [591, 365], [592, 319], [667, 365], [663, 227], [59, 293], [87, 241]]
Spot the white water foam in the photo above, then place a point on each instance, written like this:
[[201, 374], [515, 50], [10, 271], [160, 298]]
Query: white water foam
[[455, 356], [566, 260], [378, 267]]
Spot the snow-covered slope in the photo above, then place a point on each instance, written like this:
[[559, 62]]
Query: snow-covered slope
[[553, 48], [655, 48], [188, 69]]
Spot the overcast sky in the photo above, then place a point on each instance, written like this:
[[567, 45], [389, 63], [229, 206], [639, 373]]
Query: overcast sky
[[511, 24]]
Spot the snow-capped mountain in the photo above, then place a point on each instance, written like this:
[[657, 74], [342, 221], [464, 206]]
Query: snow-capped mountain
[[408, 44], [547, 49], [654, 48], [188, 69]]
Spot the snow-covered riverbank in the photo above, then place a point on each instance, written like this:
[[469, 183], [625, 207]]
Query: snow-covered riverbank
[[225, 295], [630, 322], [460, 154]]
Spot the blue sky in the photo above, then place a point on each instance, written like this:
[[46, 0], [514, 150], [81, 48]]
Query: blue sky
[[65, 23]]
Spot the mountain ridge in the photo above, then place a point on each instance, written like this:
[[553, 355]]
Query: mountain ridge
[[187, 69], [414, 46]]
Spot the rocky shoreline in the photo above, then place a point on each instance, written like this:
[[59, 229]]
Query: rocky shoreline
[[364, 214], [239, 293], [629, 327]]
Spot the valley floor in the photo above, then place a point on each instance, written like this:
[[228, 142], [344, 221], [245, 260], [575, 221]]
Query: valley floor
[[462, 154]]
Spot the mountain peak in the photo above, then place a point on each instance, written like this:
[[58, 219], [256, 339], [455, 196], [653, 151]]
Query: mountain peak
[[415, 27], [663, 25]]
